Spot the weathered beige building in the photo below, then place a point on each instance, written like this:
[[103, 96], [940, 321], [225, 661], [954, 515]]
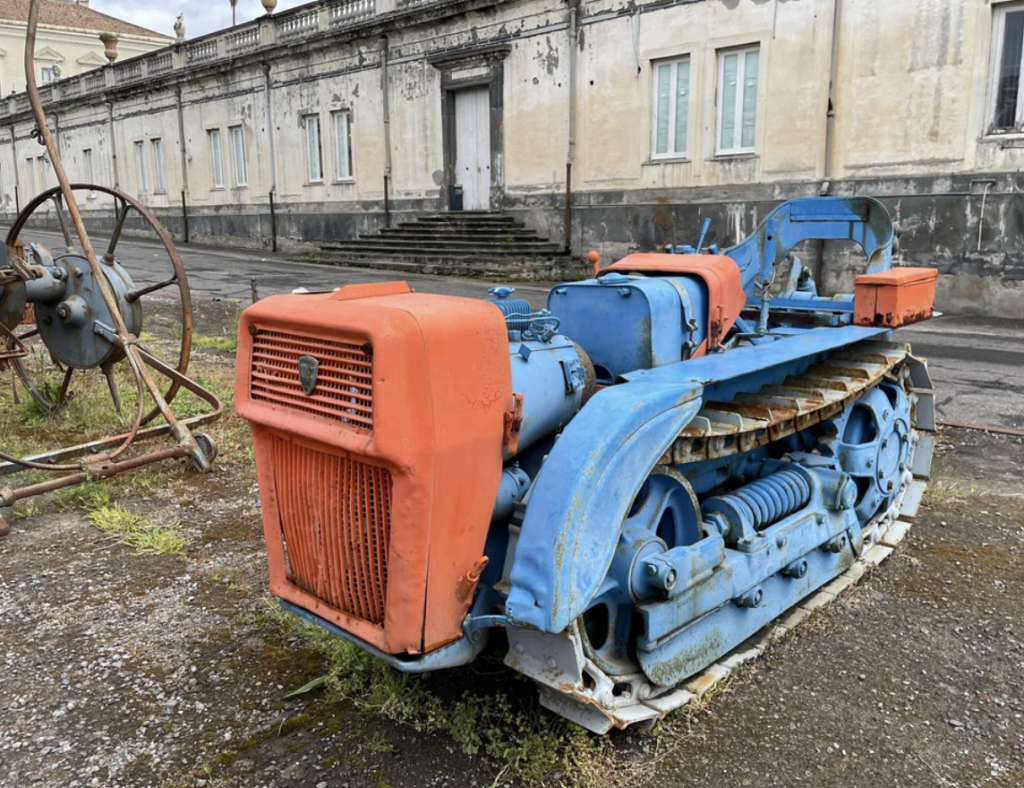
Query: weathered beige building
[[67, 41], [648, 115]]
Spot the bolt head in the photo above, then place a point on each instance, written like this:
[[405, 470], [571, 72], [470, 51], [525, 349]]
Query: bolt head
[[652, 570]]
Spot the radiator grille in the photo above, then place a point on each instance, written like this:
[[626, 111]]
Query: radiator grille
[[336, 518], [344, 384]]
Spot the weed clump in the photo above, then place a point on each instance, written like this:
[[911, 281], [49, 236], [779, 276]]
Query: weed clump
[[529, 745], [137, 532]]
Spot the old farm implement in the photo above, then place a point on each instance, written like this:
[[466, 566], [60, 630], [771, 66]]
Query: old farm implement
[[627, 485], [68, 314]]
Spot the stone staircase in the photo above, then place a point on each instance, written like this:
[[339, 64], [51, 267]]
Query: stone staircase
[[464, 243]]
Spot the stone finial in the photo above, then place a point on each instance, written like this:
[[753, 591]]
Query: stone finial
[[269, 5], [179, 27], [109, 45]]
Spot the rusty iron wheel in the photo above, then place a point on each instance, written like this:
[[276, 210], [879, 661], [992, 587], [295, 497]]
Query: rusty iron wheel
[[123, 204]]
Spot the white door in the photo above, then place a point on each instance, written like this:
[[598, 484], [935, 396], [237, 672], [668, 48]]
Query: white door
[[473, 147]]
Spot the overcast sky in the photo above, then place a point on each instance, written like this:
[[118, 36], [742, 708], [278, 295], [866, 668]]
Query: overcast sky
[[201, 16]]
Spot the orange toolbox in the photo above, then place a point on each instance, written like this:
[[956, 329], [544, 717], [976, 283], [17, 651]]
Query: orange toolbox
[[895, 297]]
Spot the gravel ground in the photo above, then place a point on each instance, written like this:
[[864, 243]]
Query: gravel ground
[[124, 670]]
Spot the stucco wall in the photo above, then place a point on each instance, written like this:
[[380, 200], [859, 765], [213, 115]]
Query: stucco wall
[[911, 106]]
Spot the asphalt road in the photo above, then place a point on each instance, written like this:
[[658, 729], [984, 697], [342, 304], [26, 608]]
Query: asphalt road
[[977, 364]]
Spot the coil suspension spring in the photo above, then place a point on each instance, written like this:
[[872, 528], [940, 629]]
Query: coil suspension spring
[[764, 501]]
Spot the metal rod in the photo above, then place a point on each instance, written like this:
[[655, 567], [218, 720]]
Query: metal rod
[[184, 214], [68, 246], [135, 295], [108, 373], [108, 257], [273, 224], [64, 386], [100, 470], [967, 425], [44, 461]]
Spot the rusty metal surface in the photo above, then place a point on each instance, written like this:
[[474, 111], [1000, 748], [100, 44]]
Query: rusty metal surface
[[750, 420], [99, 458]]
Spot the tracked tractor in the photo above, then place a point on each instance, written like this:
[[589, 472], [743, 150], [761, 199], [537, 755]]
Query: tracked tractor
[[631, 485]]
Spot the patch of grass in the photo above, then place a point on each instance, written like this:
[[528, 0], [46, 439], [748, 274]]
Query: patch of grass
[[528, 744], [86, 497], [224, 343], [26, 508], [947, 493], [137, 532]]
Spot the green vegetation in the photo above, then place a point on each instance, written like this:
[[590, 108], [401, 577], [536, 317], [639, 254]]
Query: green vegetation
[[946, 494], [224, 343], [137, 532], [528, 744], [86, 497]]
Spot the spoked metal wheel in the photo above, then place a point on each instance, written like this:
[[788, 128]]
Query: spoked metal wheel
[[134, 285], [872, 441], [665, 514]]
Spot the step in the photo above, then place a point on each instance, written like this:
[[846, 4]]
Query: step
[[454, 233], [432, 253], [479, 247], [512, 269], [509, 222], [445, 240], [466, 216]]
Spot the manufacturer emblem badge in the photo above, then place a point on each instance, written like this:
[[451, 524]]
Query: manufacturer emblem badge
[[309, 367]]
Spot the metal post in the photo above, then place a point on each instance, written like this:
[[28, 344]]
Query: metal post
[[273, 224], [17, 201], [254, 289], [568, 205], [184, 213]]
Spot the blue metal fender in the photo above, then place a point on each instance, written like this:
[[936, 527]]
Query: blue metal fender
[[583, 493]]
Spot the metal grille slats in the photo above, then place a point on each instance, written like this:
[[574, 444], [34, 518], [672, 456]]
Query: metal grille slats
[[344, 385], [336, 520]]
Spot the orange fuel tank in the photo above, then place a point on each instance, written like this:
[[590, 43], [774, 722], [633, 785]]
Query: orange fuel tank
[[378, 418]]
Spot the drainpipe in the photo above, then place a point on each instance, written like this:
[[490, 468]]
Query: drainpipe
[[17, 177], [387, 127], [573, 6], [270, 126], [830, 122], [270, 149], [181, 141], [113, 146]]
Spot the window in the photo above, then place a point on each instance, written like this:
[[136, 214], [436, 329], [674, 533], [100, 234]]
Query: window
[[671, 108], [1007, 107], [342, 146], [238, 153], [87, 173], [158, 165], [737, 99], [30, 166], [140, 163], [217, 159], [314, 153], [48, 75]]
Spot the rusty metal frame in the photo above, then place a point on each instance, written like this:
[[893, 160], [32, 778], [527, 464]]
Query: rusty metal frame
[[101, 457]]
